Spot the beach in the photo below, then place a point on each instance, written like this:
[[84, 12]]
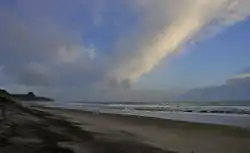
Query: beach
[[177, 136], [28, 130], [50, 130]]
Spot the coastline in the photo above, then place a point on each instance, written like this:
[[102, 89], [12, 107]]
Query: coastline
[[29, 130], [50, 130], [238, 120], [227, 115], [178, 136]]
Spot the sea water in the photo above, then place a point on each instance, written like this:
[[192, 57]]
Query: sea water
[[235, 113]]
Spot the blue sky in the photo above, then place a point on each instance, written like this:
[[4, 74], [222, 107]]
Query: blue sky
[[107, 47], [207, 63]]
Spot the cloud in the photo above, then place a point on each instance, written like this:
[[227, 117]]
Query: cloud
[[235, 88], [1, 68], [98, 48], [2, 75], [35, 74], [247, 70], [241, 79], [184, 24], [242, 76], [44, 54]]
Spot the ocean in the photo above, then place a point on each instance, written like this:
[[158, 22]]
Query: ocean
[[236, 113]]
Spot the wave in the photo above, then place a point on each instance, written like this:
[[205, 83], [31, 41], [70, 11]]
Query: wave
[[152, 107], [222, 115]]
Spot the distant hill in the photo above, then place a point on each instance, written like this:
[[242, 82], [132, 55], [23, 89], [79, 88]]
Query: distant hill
[[30, 97], [24, 97]]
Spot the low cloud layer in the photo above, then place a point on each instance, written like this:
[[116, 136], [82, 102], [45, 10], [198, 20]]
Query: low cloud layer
[[94, 49], [235, 88], [242, 78]]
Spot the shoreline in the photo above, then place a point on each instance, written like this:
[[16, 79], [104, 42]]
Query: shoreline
[[50, 130], [236, 120], [210, 116], [29, 130], [139, 117], [178, 136]]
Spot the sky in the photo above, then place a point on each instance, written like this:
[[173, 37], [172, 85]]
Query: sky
[[123, 50]]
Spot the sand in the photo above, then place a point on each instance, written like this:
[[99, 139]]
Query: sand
[[25, 130], [183, 137], [45, 130]]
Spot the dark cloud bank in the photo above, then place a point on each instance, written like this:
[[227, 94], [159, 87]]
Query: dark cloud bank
[[237, 88]]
